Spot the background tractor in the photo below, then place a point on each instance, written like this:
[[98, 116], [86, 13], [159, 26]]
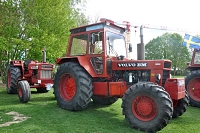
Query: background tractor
[[192, 80], [97, 67], [23, 75]]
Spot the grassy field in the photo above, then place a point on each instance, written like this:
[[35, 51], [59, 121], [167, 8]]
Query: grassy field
[[178, 76], [46, 117]]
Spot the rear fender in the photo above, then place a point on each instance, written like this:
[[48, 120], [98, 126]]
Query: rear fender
[[83, 61], [18, 63]]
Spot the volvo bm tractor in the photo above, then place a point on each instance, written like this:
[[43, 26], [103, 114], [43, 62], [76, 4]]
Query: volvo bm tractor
[[97, 68]]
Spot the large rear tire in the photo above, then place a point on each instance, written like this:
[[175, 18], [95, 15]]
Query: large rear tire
[[180, 106], [23, 91], [192, 85], [147, 107], [13, 75], [72, 87], [104, 100]]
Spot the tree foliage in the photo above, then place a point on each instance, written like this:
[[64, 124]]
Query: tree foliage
[[168, 46], [26, 26]]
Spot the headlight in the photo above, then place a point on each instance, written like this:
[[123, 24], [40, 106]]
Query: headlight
[[158, 77], [34, 67], [170, 76]]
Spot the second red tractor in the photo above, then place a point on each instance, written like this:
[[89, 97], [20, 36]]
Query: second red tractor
[[23, 75]]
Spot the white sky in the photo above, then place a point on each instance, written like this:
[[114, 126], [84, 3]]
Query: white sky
[[176, 14]]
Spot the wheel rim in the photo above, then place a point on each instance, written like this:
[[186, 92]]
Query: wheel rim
[[144, 108], [67, 87], [194, 89], [8, 79], [20, 91]]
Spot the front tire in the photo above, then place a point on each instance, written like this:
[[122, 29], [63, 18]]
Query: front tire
[[13, 75], [180, 106], [23, 90], [72, 87], [147, 107], [192, 85]]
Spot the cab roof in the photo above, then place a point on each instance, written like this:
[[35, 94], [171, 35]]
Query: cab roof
[[103, 24]]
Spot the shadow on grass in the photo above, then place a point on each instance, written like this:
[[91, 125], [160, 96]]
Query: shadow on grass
[[8, 99], [47, 116], [186, 123], [42, 98], [190, 116], [95, 118], [13, 99]]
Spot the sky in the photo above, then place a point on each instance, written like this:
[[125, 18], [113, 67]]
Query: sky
[[174, 14]]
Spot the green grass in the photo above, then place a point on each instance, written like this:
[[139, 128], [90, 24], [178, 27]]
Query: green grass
[[178, 76], [47, 117]]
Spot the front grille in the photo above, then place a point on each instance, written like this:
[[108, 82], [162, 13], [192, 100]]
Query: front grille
[[47, 66], [45, 74], [167, 64], [165, 76]]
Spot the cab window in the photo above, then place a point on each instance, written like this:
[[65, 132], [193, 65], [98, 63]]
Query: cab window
[[79, 44]]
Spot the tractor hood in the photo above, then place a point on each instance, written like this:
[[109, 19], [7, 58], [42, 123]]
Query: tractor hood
[[140, 64]]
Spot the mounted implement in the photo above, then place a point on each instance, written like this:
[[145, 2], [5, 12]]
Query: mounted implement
[[21, 76], [97, 67]]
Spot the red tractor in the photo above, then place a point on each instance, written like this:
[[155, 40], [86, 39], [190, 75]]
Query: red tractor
[[97, 67], [21, 76], [192, 80]]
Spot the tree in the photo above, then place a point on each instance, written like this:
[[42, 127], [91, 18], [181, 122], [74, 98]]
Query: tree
[[26, 26], [168, 46], [9, 33], [94, 18]]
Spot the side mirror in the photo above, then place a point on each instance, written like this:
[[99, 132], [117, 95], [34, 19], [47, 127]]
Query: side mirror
[[130, 47]]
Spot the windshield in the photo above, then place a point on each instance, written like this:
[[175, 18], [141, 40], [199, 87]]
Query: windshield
[[197, 58], [115, 44]]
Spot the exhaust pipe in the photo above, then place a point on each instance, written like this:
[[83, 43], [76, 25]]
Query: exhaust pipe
[[44, 54], [140, 46]]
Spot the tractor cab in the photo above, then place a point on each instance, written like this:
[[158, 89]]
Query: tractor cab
[[196, 57], [95, 45], [195, 62], [104, 38]]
